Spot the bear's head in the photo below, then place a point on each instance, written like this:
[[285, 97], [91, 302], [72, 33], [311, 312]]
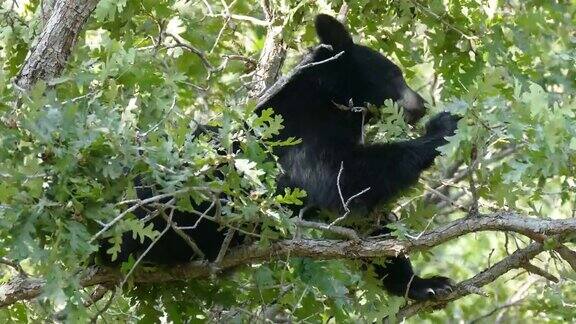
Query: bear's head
[[342, 72], [369, 76]]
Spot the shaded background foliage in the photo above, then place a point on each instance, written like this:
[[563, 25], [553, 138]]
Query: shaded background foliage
[[145, 73]]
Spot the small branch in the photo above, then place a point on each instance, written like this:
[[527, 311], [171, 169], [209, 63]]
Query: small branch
[[201, 216], [161, 121], [342, 231], [301, 214], [313, 64], [271, 91], [474, 155], [183, 43], [445, 198], [568, 255], [345, 204], [514, 261], [224, 247], [101, 311], [516, 299], [496, 310], [542, 273], [15, 265], [132, 208], [189, 241], [447, 24], [97, 294], [150, 246], [252, 20]]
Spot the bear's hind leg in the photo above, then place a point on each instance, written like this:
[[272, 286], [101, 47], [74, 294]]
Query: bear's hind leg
[[399, 279]]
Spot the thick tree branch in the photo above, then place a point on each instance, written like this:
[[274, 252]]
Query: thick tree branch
[[273, 54], [514, 261], [48, 56], [23, 289]]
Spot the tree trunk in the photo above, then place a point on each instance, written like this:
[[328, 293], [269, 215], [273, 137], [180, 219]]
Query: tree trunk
[[48, 56]]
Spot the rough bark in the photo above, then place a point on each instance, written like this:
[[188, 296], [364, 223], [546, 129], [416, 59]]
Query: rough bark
[[27, 288], [47, 58], [272, 56]]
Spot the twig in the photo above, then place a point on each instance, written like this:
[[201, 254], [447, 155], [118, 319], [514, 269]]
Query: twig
[[474, 208], [408, 286], [345, 204], [339, 230], [313, 64], [150, 246], [162, 120], [181, 42], [224, 246], [495, 310], [568, 255], [182, 234], [516, 299], [301, 213], [220, 33], [252, 20], [140, 203], [200, 217], [94, 319], [445, 198], [424, 230], [355, 109], [208, 7], [96, 295], [447, 24]]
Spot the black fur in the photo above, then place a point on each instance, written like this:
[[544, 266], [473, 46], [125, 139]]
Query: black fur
[[336, 72]]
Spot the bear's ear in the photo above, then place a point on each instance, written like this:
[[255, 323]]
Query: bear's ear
[[332, 32]]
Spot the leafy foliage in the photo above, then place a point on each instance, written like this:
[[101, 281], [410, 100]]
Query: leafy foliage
[[133, 95]]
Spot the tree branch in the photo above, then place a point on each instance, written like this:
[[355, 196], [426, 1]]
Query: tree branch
[[48, 56], [514, 261], [272, 56], [27, 288]]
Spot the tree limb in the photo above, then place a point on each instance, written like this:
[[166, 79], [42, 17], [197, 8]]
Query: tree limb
[[48, 56], [273, 54], [22, 289], [514, 261]]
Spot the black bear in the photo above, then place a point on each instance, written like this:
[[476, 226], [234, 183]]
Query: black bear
[[336, 74]]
